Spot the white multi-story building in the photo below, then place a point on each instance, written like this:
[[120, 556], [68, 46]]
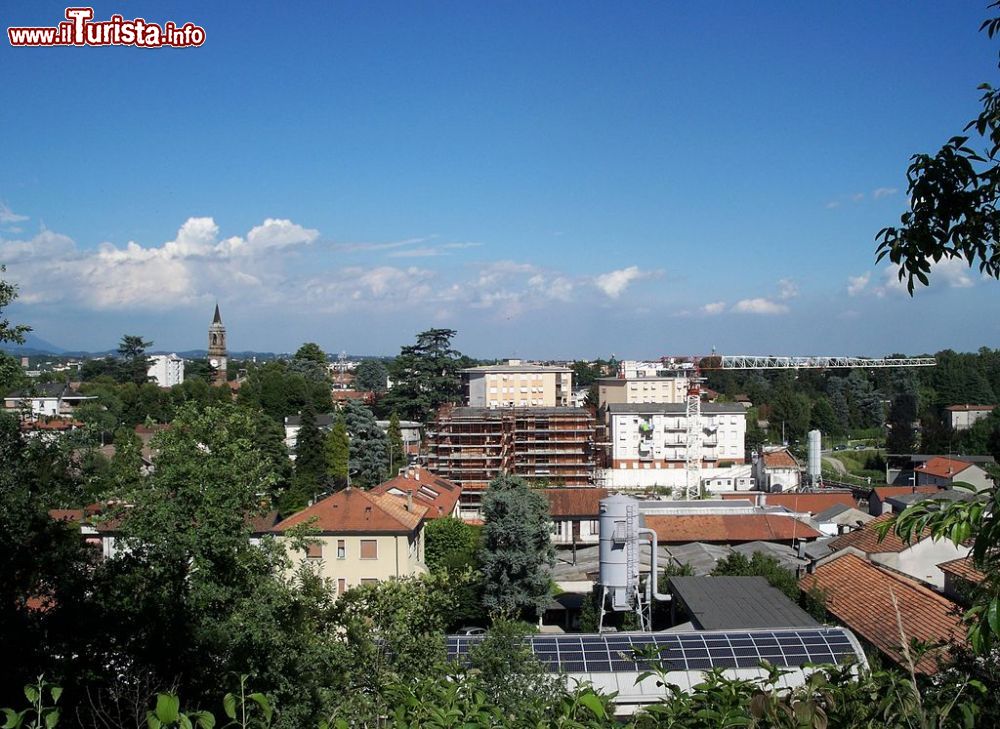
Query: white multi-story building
[[166, 369], [516, 384], [648, 446]]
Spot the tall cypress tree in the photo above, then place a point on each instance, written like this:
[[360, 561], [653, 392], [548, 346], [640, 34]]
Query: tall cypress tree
[[338, 453], [310, 465]]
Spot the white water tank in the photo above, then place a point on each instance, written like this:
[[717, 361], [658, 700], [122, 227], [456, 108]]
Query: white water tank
[[619, 550], [815, 467]]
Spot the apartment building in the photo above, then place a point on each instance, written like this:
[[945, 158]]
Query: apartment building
[[166, 369], [517, 384], [647, 446], [668, 389], [472, 446], [360, 538]]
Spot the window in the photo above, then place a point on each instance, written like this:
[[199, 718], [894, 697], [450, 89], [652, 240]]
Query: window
[[314, 550], [369, 550], [341, 586], [369, 581]]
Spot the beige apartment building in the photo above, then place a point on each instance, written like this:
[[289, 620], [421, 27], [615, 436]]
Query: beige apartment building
[[359, 538], [516, 384], [638, 390]]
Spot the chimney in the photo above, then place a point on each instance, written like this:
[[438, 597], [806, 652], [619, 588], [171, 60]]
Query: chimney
[[802, 550], [409, 501], [368, 513]]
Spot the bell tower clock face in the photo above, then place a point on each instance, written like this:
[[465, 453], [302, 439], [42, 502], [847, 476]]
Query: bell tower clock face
[[214, 362]]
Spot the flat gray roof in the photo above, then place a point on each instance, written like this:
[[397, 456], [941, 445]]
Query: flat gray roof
[[734, 603], [484, 369]]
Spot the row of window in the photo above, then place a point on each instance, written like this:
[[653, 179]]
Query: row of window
[[369, 549]]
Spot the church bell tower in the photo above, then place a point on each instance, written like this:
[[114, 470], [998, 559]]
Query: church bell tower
[[217, 348]]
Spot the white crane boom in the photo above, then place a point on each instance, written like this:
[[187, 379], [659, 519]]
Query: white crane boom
[[749, 362]]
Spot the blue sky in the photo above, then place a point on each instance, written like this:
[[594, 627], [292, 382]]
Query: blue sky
[[559, 179]]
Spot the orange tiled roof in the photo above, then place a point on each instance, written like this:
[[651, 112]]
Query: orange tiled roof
[[799, 503], [887, 492], [68, 515], [575, 501], [866, 539], [963, 569], [438, 494], [779, 459], [942, 467], [967, 408], [728, 528], [860, 595], [358, 512]]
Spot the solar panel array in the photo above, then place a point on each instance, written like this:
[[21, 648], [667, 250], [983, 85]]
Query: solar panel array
[[617, 652]]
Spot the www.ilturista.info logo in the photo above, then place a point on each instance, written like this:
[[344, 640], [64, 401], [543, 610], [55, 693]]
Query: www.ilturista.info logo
[[79, 29]]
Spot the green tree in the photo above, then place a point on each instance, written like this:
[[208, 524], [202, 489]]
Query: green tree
[[791, 409], [338, 452], [369, 446], [450, 545], [397, 453], [134, 364], [954, 199], [425, 376], [125, 471], [310, 464], [278, 391], [9, 332], [759, 565], [902, 437], [311, 352], [371, 375], [823, 418], [516, 548]]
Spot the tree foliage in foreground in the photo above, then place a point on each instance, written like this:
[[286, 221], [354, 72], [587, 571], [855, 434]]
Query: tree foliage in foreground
[[954, 199]]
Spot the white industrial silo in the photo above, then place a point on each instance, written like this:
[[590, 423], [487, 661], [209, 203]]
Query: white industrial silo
[[815, 468], [619, 551]]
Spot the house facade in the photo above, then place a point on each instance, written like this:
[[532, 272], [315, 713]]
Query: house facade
[[517, 384], [359, 538]]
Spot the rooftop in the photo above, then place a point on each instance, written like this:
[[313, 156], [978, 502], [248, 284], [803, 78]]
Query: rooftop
[[969, 408], [779, 459], [674, 408], [964, 569], [866, 539], [583, 502], [878, 604], [811, 503], [728, 529], [483, 369], [438, 494], [722, 603], [942, 467], [353, 511]]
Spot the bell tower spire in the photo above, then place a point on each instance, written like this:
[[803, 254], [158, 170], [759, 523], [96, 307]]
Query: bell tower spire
[[217, 348]]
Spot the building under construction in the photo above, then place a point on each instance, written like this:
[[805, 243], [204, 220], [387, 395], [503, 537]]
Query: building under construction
[[553, 445]]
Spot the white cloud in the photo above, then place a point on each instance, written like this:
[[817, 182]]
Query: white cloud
[[614, 283], [787, 289], [8, 216], [880, 192], [857, 284], [716, 307], [832, 204], [952, 273], [759, 306]]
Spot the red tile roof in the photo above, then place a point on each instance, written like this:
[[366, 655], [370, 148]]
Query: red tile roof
[[866, 538], [353, 511], [68, 515], [811, 503], [779, 459], [583, 502], [963, 569], [942, 467], [728, 528], [438, 494], [860, 595], [887, 492], [967, 408]]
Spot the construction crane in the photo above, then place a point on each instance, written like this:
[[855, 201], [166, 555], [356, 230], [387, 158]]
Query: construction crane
[[692, 409]]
